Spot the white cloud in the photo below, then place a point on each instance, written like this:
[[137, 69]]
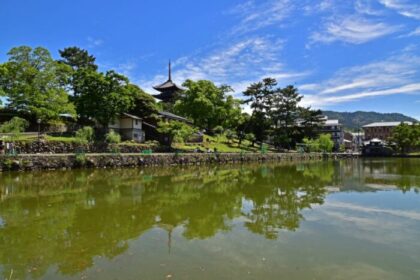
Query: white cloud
[[352, 85], [325, 101], [324, 5], [352, 29], [94, 42], [403, 7], [255, 16], [239, 64], [126, 68], [367, 7], [398, 74], [415, 32]]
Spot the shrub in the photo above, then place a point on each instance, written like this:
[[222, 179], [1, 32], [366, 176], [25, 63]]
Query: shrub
[[325, 143], [85, 135], [112, 137], [177, 131], [312, 145], [81, 159], [218, 130], [322, 144], [56, 126], [250, 137], [16, 126]]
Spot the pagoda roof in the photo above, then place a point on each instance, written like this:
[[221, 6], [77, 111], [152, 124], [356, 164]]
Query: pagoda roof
[[168, 85]]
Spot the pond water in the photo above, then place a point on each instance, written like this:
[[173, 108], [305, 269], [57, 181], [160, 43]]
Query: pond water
[[356, 219]]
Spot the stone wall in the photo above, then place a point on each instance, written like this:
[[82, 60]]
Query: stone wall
[[55, 147], [51, 162]]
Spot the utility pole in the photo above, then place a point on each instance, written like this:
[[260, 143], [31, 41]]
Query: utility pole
[[38, 121]]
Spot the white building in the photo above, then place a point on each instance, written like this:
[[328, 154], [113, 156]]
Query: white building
[[130, 127], [335, 129]]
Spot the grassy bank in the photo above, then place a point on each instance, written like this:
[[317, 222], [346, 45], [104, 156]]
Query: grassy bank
[[221, 143]]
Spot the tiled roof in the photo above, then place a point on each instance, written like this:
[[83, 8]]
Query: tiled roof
[[167, 85], [131, 116], [173, 116], [332, 122], [381, 124]]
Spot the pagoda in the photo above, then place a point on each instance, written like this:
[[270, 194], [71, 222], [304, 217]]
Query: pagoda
[[168, 89]]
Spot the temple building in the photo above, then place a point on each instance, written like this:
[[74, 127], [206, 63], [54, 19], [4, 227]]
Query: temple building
[[168, 89]]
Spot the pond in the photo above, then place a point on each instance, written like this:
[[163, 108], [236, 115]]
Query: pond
[[352, 219]]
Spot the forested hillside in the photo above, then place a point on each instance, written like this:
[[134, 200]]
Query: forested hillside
[[352, 121]]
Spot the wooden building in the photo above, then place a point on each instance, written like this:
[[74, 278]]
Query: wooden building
[[130, 127]]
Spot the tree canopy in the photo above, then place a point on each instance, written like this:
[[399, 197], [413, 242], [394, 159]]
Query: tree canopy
[[406, 137], [208, 105], [276, 112], [35, 83], [78, 58], [102, 96]]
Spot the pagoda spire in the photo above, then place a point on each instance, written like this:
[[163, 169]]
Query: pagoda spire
[[168, 89], [170, 71]]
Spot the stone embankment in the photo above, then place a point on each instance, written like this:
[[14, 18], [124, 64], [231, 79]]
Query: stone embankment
[[71, 161], [56, 147]]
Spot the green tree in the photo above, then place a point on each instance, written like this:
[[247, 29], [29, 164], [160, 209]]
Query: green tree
[[310, 123], [112, 137], [78, 58], [321, 144], [258, 97], [208, 105], [178, 132], [251, 138], [325, 143], [34, 83], [15, 126], [284, 112], [406, 137], [243, 127], [103, 97], [144, 105], [312, 145], [85, 135]]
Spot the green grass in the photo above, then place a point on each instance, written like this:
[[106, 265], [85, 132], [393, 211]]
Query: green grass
[[60, 139], [21, 138], [221, 143]]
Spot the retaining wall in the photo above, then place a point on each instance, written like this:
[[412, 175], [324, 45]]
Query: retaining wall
[[70, 161]]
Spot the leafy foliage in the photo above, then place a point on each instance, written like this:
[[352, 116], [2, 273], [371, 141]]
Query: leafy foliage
[[112, 137], [85, 135], [144, 105], [322, 144], [208, 106], [276, 113], [406, 137], [102, 97], [78, 58], [15, 125], [36, 84], [177, 131]]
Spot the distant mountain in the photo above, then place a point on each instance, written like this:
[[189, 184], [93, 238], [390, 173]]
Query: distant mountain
[[352, 121]]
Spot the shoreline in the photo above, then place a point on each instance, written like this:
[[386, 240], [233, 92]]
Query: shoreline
[[34, 162]]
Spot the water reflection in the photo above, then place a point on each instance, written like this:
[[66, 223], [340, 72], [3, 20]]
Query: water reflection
[[66, 219]]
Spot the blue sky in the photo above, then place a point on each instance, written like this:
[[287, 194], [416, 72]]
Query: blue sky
[[343, 55]]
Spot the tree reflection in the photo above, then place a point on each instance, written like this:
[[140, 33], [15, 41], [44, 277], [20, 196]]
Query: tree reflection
[[66, 219]]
